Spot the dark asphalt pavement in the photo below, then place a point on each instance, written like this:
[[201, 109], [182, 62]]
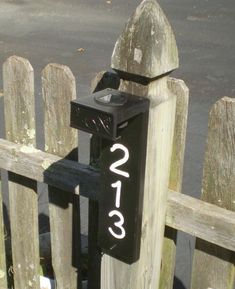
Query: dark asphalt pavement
[[53, 31]]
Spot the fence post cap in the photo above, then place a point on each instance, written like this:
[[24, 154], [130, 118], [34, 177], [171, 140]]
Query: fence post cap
[[147, 45]]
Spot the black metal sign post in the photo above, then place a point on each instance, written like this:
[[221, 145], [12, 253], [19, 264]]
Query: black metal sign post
[[121, 120], [120, 214]]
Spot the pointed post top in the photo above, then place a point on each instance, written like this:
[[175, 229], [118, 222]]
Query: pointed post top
[[147, 45]]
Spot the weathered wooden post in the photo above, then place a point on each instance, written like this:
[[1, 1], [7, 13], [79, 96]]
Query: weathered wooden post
[[143, 56], [108, 79]]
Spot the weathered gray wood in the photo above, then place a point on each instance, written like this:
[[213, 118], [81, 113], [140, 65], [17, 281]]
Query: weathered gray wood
[[50, 169], [114, 273], [18, 84], [44, 242], [177, 160], [58, 90], [176, 176], [201, 219], [183, 212], [66, 172], [213, 267], [147, 45], [45, 246], [3, 272], [145, 29]]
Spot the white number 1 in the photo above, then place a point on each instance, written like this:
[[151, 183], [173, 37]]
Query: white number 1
[[117, 185]]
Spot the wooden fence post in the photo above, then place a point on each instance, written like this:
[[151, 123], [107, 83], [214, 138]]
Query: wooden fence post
[[59, 89], [147, 48], [18, 84], [3, 272], [213, 266]]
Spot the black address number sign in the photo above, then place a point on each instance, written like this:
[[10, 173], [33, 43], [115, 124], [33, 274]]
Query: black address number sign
[[123, 155]]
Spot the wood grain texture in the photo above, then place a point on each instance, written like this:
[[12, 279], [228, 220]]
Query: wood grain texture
[[58, 90], [176, 176], [154, 37], [18, 84], [177, 159], [183, 212], [148, 19], [201, 219], [213, 267], [3, 272], [50, 169], [160, 134]]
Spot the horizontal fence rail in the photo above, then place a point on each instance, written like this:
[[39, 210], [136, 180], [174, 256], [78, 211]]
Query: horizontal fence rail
[[143, 57], [192, 216], [201, 219], [50, 169]]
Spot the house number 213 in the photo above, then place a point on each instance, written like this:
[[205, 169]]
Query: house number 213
[[118, 230]]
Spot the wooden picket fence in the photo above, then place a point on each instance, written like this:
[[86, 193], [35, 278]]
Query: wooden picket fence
[[146, 52]]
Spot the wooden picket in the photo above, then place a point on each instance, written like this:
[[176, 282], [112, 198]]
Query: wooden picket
[[212, 223], [18, 79], [213, 265], [144, 55], [175, 180], [58, 86]]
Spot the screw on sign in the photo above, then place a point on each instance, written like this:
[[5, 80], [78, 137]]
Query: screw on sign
[[121, 120]]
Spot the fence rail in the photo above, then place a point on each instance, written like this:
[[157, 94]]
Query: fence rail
[[50, 169], [144, 71], [198, 218]]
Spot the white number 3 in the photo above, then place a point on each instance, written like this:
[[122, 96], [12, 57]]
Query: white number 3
[[118, 225]]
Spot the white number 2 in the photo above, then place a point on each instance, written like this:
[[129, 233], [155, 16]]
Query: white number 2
[[118, 225], [113, 167]]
